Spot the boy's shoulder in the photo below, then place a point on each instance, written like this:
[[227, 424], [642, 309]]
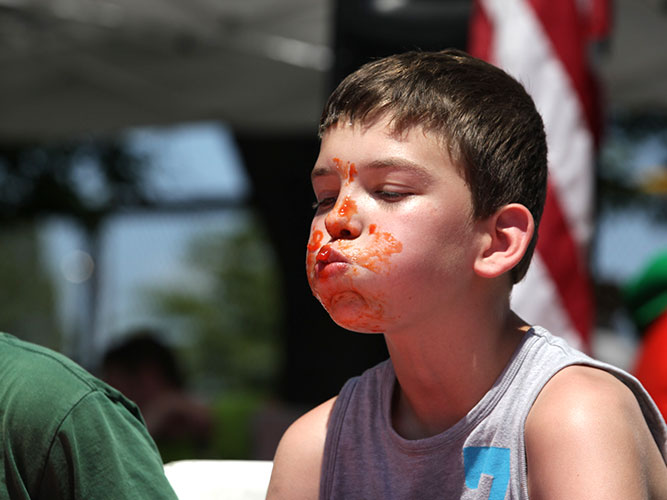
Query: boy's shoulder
[[587, 425], [298, 459], [579, 395]]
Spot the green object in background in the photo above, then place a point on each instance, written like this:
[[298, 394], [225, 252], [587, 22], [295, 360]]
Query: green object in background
[[231, 437], [232, 434], [646, 294]]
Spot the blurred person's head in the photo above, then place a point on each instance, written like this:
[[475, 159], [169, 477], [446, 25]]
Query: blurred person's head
[[142, 366]]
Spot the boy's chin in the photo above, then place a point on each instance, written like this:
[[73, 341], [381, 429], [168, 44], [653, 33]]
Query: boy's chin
[[363, 329], [351, 311]]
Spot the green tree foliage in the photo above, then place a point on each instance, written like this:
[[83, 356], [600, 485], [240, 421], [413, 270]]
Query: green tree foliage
[[231, 323], [26, 295], [85, 180]]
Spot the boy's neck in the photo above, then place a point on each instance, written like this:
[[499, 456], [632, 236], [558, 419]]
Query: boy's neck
[[441, 379]]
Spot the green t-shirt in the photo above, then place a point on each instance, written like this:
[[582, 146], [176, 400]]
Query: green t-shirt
[[67, 435]]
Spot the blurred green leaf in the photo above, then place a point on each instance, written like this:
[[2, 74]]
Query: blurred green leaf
[[233, 320]]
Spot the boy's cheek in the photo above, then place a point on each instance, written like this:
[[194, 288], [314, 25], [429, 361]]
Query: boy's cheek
[[313, 246], [377, 254], [315, 241]]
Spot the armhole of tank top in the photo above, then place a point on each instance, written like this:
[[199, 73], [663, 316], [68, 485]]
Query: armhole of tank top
[[532, 398], [334, 426], [650, 411]]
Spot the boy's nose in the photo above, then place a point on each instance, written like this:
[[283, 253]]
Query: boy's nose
[[342, 222]]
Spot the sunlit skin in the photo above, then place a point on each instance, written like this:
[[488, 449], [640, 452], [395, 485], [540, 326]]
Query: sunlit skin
[[385, 201]]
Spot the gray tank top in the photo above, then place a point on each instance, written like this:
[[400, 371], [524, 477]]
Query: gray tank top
[[481, 457]]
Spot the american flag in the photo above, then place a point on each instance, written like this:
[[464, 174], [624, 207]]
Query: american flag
[[546, 45]]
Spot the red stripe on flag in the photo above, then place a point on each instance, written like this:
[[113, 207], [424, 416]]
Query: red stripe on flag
[[480, 33], [569, 34], [561, 258], [599, 19]]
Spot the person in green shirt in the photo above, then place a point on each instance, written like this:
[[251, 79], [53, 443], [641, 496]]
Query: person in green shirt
[[67, 435]]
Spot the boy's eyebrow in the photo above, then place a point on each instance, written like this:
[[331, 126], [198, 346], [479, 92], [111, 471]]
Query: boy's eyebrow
[[320, 170], [399, 164], [383, 163]]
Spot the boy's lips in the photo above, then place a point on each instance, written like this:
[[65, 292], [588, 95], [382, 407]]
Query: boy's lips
[[328, 260]]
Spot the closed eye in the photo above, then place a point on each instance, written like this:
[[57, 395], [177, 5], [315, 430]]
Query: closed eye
[[324, 204], [391, 196]]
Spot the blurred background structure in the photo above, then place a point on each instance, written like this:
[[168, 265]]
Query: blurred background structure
[[154, 173]]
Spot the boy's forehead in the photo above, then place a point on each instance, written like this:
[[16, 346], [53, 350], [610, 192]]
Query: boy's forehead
[[394, 128], [329, 162]]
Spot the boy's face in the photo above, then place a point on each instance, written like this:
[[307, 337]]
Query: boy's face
[[393, 239]]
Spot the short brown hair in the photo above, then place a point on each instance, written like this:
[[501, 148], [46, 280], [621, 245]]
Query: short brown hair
[[488, 121]]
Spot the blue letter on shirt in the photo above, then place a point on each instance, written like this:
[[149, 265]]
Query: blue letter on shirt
[[488, 460]]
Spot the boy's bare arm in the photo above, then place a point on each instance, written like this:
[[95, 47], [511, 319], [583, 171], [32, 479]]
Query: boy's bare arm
[[296, 466], [586, 438]]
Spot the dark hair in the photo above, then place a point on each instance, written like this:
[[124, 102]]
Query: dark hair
[[489, 123]]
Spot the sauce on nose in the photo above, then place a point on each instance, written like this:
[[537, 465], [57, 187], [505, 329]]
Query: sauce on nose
[[348, 208], [338, 163], [347, 170], [352, 173]]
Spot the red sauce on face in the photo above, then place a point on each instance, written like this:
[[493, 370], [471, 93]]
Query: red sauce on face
[[347, 170], [315, 240], [348, 208], [360, 308], [324, 253], [352, 173], [374, 256], [352, 306]]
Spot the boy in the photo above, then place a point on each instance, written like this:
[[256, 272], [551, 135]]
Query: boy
[[430, 184]]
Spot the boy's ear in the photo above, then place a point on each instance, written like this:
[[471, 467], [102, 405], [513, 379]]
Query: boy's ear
[[505, 237]]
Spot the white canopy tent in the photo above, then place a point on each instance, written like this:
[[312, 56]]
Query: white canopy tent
[[69, 67], [72, 67]]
